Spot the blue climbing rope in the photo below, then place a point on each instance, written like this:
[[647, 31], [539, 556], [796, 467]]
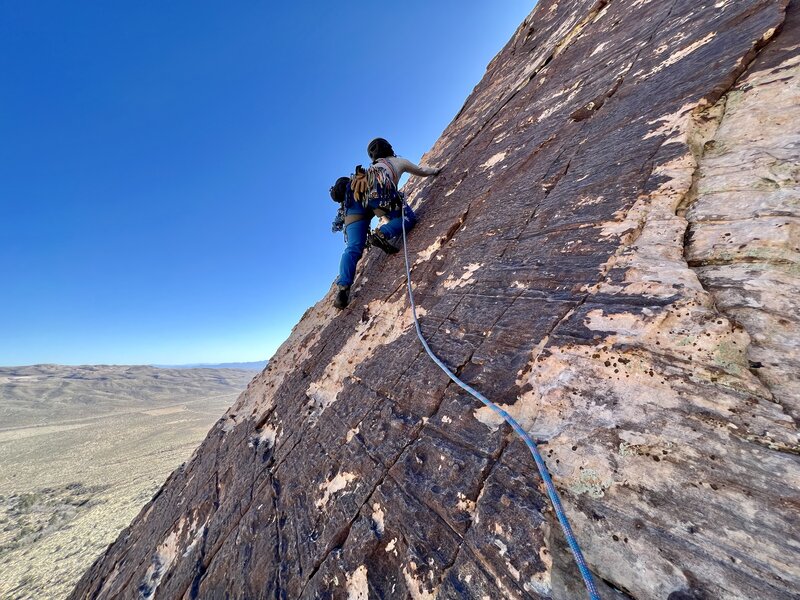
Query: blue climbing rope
[[548, 482]]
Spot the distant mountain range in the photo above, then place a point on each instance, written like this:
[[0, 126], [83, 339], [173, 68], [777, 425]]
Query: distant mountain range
[[247, 366]]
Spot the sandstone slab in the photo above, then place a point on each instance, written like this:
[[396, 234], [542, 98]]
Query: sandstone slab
[[554, 273]]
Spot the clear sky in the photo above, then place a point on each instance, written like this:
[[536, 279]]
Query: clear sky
[[164, 166]]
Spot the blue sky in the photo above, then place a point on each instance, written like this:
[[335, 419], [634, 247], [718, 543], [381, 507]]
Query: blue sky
[[164, 166]]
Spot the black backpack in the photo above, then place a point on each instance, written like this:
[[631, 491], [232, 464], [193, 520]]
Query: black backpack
[[339, 189]]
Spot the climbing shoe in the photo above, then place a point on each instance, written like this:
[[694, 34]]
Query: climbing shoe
[[342, 297], [376, 238]]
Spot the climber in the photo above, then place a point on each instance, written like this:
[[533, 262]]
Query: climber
[[367, 194], [383, 157]]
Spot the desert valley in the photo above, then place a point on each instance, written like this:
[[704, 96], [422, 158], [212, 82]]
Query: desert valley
[[82, 449]]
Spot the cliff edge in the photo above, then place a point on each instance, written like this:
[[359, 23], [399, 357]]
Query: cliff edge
[[612, 254]]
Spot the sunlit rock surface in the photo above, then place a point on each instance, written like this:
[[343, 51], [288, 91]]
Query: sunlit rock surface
[[611, 253]]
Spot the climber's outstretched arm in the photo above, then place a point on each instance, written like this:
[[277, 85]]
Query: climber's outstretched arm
[[406, 166]]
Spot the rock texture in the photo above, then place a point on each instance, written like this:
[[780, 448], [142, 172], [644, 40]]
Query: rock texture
[[612, 254]]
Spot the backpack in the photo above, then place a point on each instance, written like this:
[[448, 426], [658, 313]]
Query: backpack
[[339, 192]]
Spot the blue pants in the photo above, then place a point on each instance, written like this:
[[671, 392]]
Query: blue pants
[[355, 238], [394, 227]]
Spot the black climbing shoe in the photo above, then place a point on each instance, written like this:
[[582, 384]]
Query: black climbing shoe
[[342, 297], [377, 239]]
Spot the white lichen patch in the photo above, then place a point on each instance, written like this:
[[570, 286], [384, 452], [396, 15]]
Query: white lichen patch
[[161, 560], [378, 517], [350, 434], [358, 584], [426, 254], [768, 34], [416, 587], [679, 55], [554, 107], [390, 547], [541, 582], [503, 551], [591, 483], [267, 436], [672, 124], [332, 486], [466, 277], [494, 160], [198, 536], [624, 324], [589, 201], [465, 503], [499, 137], [501, 546], [386, 323]]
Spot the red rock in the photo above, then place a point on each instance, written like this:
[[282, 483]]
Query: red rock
[[551, 273]]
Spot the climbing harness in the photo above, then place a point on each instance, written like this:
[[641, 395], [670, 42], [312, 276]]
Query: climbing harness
[[548, 482]]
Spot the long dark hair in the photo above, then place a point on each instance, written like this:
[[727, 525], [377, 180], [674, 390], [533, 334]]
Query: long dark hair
[[379, 148]]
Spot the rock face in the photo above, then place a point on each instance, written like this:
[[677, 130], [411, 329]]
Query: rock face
[[611, 253]]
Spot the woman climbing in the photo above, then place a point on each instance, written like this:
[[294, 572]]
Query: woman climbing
[[383, 157], [368, 194]]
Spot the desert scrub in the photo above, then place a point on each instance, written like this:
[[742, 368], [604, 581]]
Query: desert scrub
[[25, 502], [23, 532]]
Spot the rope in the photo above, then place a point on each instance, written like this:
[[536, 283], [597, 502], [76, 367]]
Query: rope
[[548, 482]]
